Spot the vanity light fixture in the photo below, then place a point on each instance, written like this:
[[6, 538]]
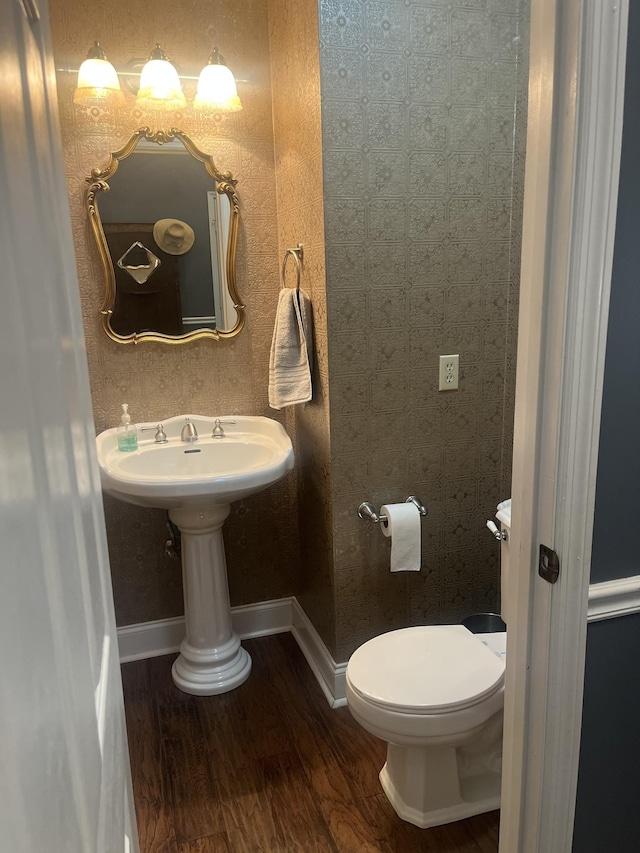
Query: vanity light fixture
[[97, 80], [159, 83], [217, 87]]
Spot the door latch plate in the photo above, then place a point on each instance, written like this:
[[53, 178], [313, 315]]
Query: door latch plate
[[549, 564]]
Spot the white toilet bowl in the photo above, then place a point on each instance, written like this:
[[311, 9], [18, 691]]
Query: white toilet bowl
[[435, 694]]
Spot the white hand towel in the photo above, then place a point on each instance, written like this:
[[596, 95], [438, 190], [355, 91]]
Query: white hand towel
[[291, 357]]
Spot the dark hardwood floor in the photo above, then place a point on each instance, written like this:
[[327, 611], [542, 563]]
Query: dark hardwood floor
[[267, 767]]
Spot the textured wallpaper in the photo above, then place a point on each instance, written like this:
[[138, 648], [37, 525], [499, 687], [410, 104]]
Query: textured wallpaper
[[423, 174], [212, 378], [295, 74]]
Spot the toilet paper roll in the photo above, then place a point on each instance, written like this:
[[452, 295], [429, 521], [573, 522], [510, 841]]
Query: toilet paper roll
[[403, 526]]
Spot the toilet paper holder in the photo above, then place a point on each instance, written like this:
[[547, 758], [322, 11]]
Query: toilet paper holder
[[368, 513]]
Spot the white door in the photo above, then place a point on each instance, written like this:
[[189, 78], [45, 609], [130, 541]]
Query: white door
[[64, 772], [574, 139]]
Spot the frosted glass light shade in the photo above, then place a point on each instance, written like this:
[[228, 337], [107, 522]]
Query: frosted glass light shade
[[160, 86], [217, 90], [98, 84]]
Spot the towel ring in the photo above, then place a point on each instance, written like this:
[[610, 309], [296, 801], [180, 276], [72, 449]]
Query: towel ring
[[298, 254]]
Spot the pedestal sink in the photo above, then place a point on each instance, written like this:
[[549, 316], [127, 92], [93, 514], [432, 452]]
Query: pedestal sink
[[197, 481]]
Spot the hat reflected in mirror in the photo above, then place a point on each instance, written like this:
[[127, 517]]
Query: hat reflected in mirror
[[173, 236]]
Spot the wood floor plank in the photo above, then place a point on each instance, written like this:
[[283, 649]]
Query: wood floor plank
[[484, 829], [253, 812], [285, 648], [310, 736], [246, 811], [155, 826], [390, 834], [191, 790], [225, 735], [209, 844], [239, 780], [329, 786], [260, 708], [394, 835], [490, 828], [338, 776], [461, 837], [299, 824], [360, 754], [301, 708]]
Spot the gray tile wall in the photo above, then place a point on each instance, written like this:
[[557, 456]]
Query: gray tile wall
[[423, 111]]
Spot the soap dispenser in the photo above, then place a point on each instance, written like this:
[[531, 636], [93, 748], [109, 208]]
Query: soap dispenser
[[127, 432]]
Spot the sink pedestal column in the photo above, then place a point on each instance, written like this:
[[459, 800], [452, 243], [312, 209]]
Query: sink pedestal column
[[211, 658]]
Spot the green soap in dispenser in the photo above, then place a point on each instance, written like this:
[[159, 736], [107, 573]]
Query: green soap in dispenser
[[127, 432]]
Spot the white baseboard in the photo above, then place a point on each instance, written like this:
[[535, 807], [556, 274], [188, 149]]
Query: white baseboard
[[151, 639], [263, 618], [610, 599], [163, 637], [330, 675]]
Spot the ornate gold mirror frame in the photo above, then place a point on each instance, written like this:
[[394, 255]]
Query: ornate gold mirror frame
[[225, 184]]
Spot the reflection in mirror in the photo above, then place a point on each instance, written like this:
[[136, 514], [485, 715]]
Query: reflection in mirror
[[166, 223]]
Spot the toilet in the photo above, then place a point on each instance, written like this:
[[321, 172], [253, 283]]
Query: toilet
[[435, 693]]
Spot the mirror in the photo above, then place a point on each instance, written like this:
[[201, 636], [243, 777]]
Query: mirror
[[166, 223]]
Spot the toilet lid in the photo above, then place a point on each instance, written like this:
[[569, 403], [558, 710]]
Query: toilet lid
[[426, 670]]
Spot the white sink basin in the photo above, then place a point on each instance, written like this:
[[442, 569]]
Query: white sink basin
[[254, 453]]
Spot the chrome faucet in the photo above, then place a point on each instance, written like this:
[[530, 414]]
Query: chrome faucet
[[189, 431], [218, 432]]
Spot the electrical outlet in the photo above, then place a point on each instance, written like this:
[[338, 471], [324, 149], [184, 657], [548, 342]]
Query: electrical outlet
[[449, 372]]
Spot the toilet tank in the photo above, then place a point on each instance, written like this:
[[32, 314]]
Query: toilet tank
[[503, 515]]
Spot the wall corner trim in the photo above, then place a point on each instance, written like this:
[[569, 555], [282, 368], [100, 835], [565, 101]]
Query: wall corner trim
[[163, 637], [331, 675], [610, 599]]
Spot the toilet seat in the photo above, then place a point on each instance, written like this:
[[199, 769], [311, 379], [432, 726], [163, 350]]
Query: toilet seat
[[425, 670]]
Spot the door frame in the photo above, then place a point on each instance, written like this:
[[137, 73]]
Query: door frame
[[574, 139]]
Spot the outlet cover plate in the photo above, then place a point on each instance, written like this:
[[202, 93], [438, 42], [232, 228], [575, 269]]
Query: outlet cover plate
[[449, 366]]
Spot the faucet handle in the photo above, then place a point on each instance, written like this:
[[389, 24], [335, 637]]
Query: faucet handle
[[189, 431], [160, 437], [218, 432]]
